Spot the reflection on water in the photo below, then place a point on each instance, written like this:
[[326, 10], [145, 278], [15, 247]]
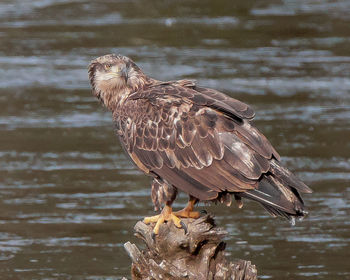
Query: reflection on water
[[70, 197]]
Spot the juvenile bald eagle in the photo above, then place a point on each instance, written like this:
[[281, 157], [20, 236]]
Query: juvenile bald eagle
[[193, 139]]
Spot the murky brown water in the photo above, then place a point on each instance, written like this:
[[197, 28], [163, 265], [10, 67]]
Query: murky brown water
[[70, 198]]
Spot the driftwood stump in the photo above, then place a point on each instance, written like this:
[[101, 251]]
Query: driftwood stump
[[199, 254]]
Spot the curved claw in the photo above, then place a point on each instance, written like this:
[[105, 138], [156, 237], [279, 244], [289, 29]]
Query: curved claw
[[203, 211], [183, 225]]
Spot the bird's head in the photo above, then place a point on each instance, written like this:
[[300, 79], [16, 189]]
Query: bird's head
[[113, 77]]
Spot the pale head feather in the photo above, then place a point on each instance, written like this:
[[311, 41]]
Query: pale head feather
[[114, 77]]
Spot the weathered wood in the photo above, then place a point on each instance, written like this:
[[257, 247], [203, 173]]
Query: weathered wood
[[199, 254]]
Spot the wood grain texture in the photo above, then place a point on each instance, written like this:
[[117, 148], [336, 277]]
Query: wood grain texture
[[198, 255]]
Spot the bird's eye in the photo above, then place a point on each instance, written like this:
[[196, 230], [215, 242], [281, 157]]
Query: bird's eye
[[108, 66]]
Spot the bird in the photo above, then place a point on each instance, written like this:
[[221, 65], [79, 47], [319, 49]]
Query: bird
[[193, 139]]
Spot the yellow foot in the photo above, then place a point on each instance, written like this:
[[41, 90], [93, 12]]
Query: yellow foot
[[185, 213], [188, 212], [165, 216]]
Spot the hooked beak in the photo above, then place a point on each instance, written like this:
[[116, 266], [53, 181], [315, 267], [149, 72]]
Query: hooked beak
[[124, 73]]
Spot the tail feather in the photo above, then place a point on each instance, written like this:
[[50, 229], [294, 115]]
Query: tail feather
[[288, 177], [275, 212], [278, 192]]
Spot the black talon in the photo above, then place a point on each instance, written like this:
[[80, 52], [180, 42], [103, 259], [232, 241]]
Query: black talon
[[204, 212], [153, 235], [183, 226]]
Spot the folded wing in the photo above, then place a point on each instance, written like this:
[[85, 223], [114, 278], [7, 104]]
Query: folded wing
[[199, 140]]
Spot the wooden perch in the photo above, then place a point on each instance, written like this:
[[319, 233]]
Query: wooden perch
[[197, 255]]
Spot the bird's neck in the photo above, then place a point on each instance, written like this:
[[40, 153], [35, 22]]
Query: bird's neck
[[113, 99], [139, 81]]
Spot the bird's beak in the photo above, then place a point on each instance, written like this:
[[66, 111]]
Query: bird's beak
[[124, 73]]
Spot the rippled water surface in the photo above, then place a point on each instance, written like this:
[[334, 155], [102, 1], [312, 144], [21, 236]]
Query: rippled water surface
[[69, 196]]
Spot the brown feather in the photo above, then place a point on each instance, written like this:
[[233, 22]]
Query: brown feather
[[194, 139], [162, 192]]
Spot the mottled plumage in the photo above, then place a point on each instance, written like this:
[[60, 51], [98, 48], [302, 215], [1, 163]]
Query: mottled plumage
[[193, 139]]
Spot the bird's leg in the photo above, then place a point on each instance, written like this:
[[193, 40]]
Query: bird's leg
[[165, 216], [188, 212]]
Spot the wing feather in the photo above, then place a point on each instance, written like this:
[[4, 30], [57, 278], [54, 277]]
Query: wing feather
[[240, 109], [198, 140]]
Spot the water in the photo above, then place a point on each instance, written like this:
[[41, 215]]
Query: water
[[70, 197]]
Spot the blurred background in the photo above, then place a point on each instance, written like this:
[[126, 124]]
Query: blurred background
[[69, 198]]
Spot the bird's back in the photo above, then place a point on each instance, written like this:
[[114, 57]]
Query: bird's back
[[202, 142]]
